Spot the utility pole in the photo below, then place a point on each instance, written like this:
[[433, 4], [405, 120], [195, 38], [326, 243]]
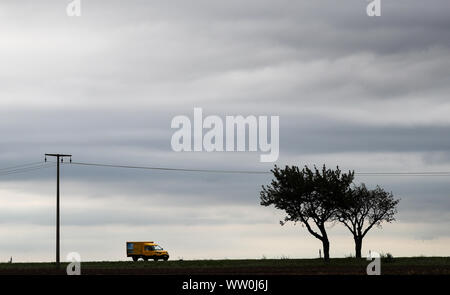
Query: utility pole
[[58, 157]]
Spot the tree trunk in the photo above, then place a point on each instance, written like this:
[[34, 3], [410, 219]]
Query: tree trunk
[[358, 246], [326, 249]]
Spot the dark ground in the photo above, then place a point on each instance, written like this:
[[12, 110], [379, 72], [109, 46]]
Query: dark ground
[[337, 266]]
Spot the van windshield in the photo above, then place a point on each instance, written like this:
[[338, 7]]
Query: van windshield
[[152, 247]]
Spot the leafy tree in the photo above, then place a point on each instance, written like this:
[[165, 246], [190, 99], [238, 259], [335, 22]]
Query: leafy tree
[[364, 209], [309, 196]]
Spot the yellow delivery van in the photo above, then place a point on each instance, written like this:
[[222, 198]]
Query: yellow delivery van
[[146, 251]]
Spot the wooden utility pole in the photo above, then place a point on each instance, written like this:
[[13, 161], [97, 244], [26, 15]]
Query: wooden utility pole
[[58, 157]]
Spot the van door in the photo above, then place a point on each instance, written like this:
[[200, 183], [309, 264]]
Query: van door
[[149, 250]]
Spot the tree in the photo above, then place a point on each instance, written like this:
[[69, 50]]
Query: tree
[[308, 196], [366, 207]]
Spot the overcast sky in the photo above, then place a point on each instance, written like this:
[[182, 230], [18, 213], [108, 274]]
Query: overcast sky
[[369, 94]]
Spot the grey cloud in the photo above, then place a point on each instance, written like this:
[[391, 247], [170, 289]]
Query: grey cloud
[[97, 216], [317, 134], [105, 87]]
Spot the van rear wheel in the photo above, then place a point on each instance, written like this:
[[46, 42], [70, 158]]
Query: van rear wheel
[[135, 258]]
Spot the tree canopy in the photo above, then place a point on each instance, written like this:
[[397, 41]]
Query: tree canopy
[[363, 209], [309, 196]]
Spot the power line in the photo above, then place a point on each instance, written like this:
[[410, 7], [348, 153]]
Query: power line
[[423, 173], [21, 169], [27, 169], [171, 169], [39, 165], [22, 165]]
